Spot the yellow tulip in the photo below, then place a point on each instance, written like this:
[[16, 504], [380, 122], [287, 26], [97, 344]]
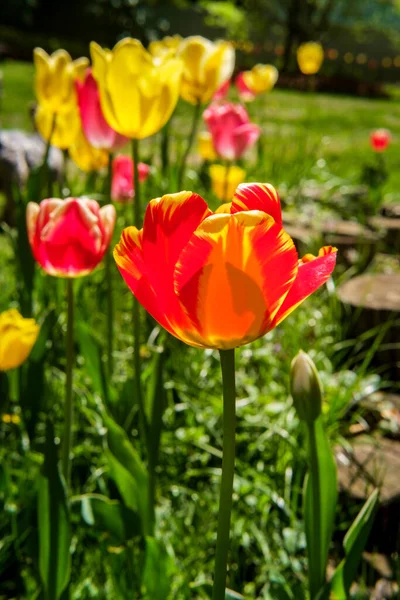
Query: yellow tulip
[[17, 337], [206, 147], [206, 66], [85, 156], [54, 79], [261, 78], [225, 179], [310, 57], [66, 127], [168, 45], [138, 93]]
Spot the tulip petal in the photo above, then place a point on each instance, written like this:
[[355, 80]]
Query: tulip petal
[[128, 255], [258, 196], [310, 276], [233, 276]]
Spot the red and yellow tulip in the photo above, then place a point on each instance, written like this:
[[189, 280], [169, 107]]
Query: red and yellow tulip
[[218, 280]]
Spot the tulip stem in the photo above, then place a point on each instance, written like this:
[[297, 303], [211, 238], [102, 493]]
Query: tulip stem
[[109, 285], [192, 135], [226, 181], [136, 306], [45, 165], [316, 570], [68, 408], [228, 467]]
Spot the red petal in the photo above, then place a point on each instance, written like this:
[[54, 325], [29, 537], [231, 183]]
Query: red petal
[[310, 276], [257, 196]]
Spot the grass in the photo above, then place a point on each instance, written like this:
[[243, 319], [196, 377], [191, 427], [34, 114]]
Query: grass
[[322, 139]]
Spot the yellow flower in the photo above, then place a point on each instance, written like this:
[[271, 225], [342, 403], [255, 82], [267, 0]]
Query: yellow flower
[[138, 93], [206, 147], [17, 337], [54, 78], [66, 128], [168, 45], [261, 78], [225, 179], [206, 66], [309, 57], [85, 156]]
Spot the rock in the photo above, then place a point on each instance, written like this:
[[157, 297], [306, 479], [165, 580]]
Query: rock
[[391, 210], [355, 243], [19, 153], [373, 302]]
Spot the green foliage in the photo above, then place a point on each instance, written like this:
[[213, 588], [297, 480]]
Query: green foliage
[[53, 523]]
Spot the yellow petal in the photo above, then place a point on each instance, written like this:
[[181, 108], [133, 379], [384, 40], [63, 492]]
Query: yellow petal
[[85, 156], [66, 127], [17, 337]]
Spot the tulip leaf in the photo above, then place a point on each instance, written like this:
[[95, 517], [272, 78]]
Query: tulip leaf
[[207, 587], [157, 572], [129, 473], [320, 499], [354, 544], [110, 516], [91, 350], [53, 523]]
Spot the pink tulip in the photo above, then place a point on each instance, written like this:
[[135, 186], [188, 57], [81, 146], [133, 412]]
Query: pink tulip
[[69, 237], [245, 93], [231, 130], [380, 139], [97, 131], [222, 91], [122, 178]]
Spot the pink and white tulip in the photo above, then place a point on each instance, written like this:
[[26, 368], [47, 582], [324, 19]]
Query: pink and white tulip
[[97, 131], [231, 129], [122, 189], [245, 93], [222, 91], [69, 237]]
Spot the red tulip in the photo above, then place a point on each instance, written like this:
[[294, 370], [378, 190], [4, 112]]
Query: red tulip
[[231, 130], [69, 237], [218, 280], [122, 178], [222, 91], [380, 139], [97, 131]]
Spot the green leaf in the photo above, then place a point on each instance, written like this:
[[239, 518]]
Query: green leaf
[[157, 572], [91, 350], [207, 587], [110, 516], [53, 523], [354, 544], [319, 519], [129, 473]]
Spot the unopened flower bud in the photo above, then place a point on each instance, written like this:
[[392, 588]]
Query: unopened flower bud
[[305, 387]]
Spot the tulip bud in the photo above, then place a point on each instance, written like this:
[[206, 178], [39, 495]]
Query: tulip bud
[[305, 387]]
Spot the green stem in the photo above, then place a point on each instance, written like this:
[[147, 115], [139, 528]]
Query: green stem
[[136, 306], [192, 135], [164, 146], [109, 285], [226, 181], [228, 467], [68, 408], [45, 168], [316, 573]]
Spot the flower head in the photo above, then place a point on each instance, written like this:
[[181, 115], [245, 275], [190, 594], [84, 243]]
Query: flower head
[[55, 77], [206, 146], [17, 337], [222, 91], [225, 179], [122, 178], [97, 131], [380, 139], [206, 65], [138, 93], [85, 156], [167, 46], [231, 130], [69, 237], [261, 78], [310, 56], [61, 128], [218, 280]]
